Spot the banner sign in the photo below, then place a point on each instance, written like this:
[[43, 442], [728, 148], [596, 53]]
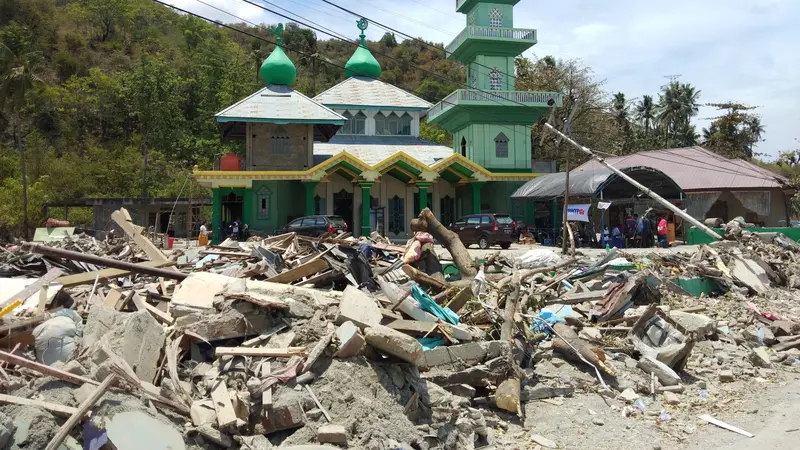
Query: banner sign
[[603, 205], [578, 213]]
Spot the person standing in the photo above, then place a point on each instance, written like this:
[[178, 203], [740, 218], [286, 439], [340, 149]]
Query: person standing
[[662, 233], [647, 232], [202, 238]]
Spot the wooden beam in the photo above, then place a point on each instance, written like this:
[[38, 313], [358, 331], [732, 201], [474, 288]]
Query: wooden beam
[[460, 299], [45, 370], [305, 270], [142, 305], [114, 295], [84, 407], [266, 396], [285, 352], [61, 410], [142, 242], [226, 415], [89, 277]]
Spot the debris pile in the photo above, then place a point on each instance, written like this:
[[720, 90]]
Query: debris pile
[[359, 343]]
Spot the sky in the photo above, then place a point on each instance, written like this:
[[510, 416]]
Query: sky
[[731, 50]]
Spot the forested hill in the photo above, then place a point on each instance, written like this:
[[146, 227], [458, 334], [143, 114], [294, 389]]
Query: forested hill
[[108, 82]]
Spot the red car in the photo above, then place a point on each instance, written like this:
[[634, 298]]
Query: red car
[[485, 230]]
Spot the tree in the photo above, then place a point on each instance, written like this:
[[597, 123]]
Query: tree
[[19, 72], [734, 133], [645, 112], [677, 104], [388, 40]]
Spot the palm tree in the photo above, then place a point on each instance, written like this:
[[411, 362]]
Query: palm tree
[[18, 73], [645, 112], [754, 131], [678, 102]]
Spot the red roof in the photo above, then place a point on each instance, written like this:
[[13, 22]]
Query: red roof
[[697, 169]]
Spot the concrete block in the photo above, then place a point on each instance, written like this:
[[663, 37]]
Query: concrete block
[[139, 343], [84, 392], [462, 390], [663, 372], [359, 308], [694, 323], [672, 398], [332, 434], [759, 357], [394, 343], [471, 353], [350, 340], [282, 418], [726, 376]]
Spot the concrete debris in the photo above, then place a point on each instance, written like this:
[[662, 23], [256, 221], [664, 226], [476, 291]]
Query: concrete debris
[[319, 343]]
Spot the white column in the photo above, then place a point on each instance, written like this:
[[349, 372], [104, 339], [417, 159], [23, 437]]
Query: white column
[[384, 205], [329, 197], [356, 210]]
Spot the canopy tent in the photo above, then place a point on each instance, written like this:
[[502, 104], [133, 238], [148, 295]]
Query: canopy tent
[[591, 182]]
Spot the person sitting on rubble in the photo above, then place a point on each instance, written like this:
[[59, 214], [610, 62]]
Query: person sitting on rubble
[[662, 232]]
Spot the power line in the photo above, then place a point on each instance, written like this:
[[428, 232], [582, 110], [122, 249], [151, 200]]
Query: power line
[[307, 54], [386, 27], [342, 67]]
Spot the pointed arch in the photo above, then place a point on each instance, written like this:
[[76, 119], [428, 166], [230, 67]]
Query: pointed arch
[[463, 146], [501, 146], [495, 80]]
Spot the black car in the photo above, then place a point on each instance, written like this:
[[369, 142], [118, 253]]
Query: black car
[[315, 226]]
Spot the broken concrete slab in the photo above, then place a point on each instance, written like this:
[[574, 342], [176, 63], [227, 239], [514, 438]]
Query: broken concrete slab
[[699, 324], [750, 274], [726, 376], [198, 292], [359, 308], [202, 412], [462, 390], [285, 417], [592, 334], [664, 373], [137, 338], [394, 343], [124, 431], [332, 434], [33, 428], [629, 395], [470, 354], [350, 340], [759, 357]]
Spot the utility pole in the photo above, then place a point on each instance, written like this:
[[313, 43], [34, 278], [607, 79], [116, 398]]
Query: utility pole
[[568, 130]]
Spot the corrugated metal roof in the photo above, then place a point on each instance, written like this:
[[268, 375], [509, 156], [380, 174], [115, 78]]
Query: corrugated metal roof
[[369, 92], [280, 104], [591, 182], [374, 149], [697, 169]]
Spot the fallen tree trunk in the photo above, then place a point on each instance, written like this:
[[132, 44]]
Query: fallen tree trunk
[[506, 330], [589, 352], [427, 222]]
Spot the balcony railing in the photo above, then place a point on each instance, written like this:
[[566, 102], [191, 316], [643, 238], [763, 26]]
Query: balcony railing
[[495, 98], [520, 34]]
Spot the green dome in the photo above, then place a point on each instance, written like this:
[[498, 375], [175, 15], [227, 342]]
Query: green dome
[[278, 68], [362, 63]]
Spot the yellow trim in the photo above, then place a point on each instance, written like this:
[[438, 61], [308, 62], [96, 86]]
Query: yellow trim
[[382, 167], [411, 176]]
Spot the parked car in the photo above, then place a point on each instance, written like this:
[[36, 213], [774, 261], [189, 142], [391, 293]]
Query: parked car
[[315, 226], [485, 230]]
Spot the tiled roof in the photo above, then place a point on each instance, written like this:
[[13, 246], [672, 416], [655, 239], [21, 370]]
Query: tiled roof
[[279, 104], [369, 92], [697, 169], [374, 149]]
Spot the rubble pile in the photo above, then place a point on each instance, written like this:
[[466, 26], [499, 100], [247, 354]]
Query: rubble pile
[[339, 342]]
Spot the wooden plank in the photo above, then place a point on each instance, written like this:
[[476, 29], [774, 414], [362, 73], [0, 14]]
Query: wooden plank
[[33, 288], [18, 325], [574, 299], [724, 425], [226, 415], [319, 405], [142, 305], [89, 277], [266, 396], [45, 370], [84, 407], [145, 244], [284, 352], [264, 336], [299, 272], [316, 352], [113, 296], [61, 410], [460, 299]]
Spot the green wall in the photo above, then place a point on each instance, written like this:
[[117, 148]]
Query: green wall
[[481, 11], [697, 237], [482, 64], [286, 201], [481, 148]]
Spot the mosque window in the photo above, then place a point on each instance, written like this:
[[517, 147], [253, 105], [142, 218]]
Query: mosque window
[[495, 18], [495, 80], [392, 125], [280, 142], [355, 123], [501, 146], [472, 18]]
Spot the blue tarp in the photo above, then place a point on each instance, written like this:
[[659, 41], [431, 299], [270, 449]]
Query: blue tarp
[[428, 304]]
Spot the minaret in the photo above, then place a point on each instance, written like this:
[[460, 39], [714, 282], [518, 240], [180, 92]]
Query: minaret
[[362, 63], [491, 121], [277, 68]]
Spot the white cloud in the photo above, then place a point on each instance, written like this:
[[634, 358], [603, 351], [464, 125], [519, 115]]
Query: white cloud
[[740, 50]]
